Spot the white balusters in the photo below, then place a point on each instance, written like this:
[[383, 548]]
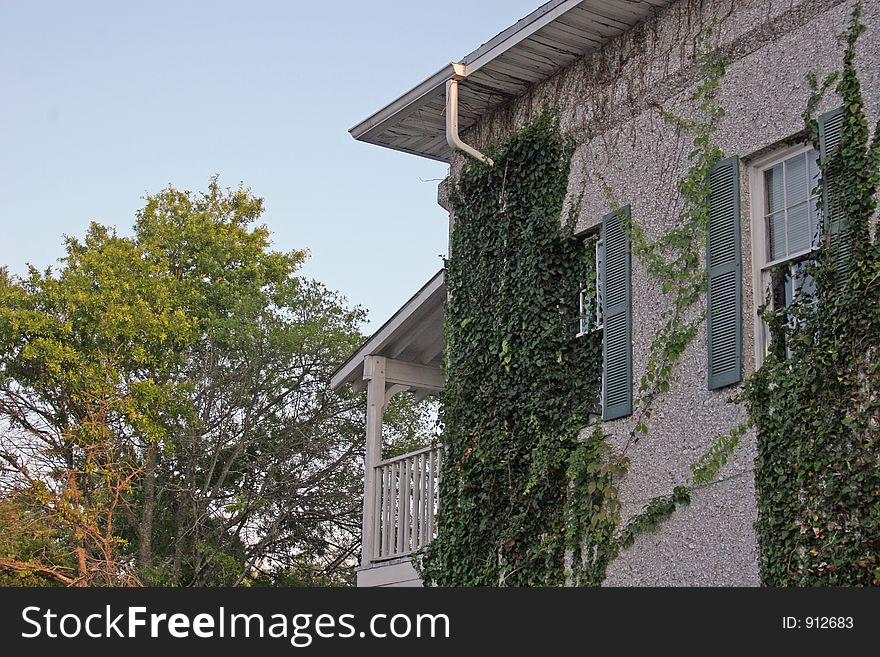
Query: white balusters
[[406, 501]]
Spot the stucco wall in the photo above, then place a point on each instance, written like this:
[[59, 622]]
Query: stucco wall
[[608, 103]]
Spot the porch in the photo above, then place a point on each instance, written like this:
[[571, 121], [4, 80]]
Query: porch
[[400, 493]]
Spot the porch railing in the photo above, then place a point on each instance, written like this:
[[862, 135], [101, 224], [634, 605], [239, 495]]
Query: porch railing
[[406, 499]]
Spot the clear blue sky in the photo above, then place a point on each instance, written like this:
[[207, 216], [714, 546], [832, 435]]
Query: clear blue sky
[[103, 102]]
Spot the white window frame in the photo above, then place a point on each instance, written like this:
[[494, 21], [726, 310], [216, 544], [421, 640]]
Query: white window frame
[[591, 319], [587, 311], [760, 240]]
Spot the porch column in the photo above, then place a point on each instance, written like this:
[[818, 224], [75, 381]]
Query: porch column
[[374, 374]]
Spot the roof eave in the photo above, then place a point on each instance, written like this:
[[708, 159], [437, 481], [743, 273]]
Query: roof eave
[[351, 370], [408, 103], [408, 151], [516, 33], [403, 106]]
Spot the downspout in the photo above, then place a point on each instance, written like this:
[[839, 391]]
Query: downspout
[[452, 138]]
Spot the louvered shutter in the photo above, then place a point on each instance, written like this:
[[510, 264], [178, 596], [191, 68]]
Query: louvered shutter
[[617, 312], [833, 211], [724, 263]]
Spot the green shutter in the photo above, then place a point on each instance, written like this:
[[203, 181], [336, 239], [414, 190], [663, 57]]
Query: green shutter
[[617, 393], [724, 263], [833, 211]]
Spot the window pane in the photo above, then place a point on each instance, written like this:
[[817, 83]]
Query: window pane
[[807, 285], [789, 289], [800, 282], [776, 226], [815, 221], [800, 232], [813, 159], [773, 184], [796, 187]]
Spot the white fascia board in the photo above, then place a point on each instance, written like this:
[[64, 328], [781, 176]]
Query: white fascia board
[[413, 99], [403, 106], [516, 33], [352, 369]]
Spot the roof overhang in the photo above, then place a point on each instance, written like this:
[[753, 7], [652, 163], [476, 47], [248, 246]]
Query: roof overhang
[[527, 52], [414, 334]]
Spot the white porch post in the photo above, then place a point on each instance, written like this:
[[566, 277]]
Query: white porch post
[[374, 374]]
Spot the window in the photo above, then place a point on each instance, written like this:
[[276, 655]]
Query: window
[[790, 206], [605, 295], [590, 317], [590, 302], [786, 228]]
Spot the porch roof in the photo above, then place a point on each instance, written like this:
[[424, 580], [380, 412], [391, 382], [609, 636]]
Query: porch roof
[[530, 50], [414, 334]]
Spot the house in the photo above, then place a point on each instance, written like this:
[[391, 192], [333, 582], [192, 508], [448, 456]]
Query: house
[[607, 66]]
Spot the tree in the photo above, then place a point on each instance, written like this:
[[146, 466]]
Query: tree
[[168, 412]]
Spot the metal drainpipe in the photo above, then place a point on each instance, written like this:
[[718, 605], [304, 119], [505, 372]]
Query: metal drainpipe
[[452, 138]]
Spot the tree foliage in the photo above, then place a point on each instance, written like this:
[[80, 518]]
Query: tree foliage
[[168, 417]]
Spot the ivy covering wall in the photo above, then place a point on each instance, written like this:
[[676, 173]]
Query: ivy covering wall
[[816, 399], [519, 384], [524, 500]]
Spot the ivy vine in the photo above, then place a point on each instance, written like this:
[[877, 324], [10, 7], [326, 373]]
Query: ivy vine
[[675, 259], [521, 488], [528, 498], [816, 400], [519, 384], [596, 535]]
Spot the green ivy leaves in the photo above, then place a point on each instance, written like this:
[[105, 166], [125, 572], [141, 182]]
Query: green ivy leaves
[[815, 401], [673, 260], [520, 489], [519, 383], [708, 465]]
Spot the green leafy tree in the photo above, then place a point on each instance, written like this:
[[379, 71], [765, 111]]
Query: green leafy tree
[[31, 552], [167, 404]]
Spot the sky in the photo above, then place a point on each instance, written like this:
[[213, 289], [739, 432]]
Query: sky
[[104, 102]]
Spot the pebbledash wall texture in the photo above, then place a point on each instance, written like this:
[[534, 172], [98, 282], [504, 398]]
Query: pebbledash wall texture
[[609, 103]]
